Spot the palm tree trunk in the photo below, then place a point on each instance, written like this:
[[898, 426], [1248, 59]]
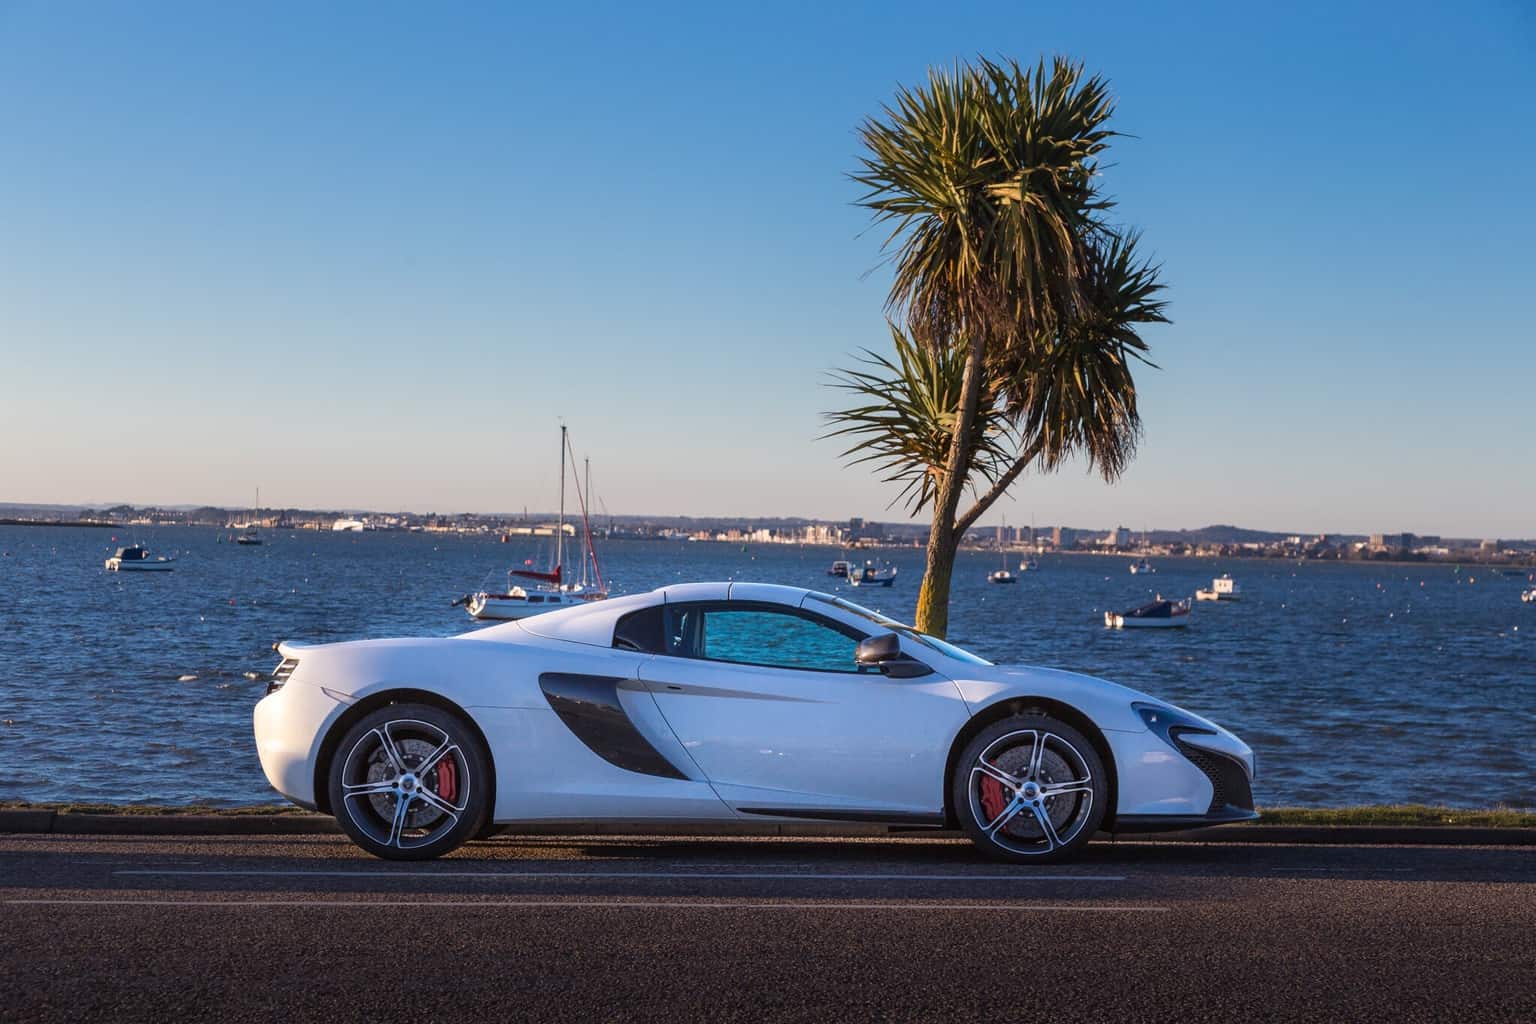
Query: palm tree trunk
[[933, 595], [943, 538]]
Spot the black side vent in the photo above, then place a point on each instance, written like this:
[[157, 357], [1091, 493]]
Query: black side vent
[[589, 706], [1229, 782]]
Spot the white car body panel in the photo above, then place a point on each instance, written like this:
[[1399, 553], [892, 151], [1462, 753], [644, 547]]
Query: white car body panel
[[787, 738], [544, 773], [811, 744]]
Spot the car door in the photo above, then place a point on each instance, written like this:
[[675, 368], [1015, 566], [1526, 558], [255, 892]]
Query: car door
[[769, 702]]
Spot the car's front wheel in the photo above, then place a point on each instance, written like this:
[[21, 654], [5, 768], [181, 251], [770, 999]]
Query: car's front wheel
[[1030, 788], [410, 782]]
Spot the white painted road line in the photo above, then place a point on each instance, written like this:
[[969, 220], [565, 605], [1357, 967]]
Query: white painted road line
[[1335, 871], [500, 876], [596, 904]]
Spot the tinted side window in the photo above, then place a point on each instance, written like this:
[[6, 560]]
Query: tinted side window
[[640, 631], [755, 636]]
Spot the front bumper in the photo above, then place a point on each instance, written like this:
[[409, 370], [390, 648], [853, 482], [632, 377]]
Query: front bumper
[[1182, 773]]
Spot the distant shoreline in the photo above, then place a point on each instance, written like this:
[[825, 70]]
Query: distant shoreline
[[1501, 568]]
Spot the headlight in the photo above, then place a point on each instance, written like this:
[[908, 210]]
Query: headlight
[[1169, 723]]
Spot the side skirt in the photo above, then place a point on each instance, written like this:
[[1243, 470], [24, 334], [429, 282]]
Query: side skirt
[[852, 814], [1179, 822]]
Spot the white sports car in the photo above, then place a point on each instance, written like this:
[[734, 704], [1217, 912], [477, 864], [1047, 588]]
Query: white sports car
[[729, 702]]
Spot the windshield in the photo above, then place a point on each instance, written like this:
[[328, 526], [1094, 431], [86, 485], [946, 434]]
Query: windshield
[[947, 649]]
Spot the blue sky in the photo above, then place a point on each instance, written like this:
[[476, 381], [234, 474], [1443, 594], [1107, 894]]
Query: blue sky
[[367, 255]]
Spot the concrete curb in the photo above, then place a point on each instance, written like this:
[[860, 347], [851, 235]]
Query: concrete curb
[[48, 822]]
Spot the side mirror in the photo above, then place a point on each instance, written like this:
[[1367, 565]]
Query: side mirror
[[883, 651]]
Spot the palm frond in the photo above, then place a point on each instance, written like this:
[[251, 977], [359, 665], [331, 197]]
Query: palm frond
[[905, 415], [1074, 391], [986, 179]]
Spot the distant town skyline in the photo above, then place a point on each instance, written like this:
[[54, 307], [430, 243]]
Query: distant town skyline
[[368, 256], [540, 515]]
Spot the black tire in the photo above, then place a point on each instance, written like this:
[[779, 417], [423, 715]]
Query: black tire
[[1006, 806], [380, 760], [490, 830]]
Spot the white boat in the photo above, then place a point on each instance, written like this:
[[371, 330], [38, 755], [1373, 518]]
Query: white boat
[[1002, 575], [840, 568], [869, 575], [1142, 567], [1223, 588], [135, 558], [1528, 596], [519, 602], [1029, 565], [251, 536], [1160, 614]]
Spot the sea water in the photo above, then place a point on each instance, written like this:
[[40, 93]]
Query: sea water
[[1354, 683]]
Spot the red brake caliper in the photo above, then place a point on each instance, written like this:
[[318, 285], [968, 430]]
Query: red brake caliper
[[992, 798], [447, 780]]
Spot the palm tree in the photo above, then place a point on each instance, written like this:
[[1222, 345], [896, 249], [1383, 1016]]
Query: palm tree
[[1021, 303]]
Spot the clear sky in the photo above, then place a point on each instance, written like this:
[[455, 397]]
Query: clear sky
[[366, 255]]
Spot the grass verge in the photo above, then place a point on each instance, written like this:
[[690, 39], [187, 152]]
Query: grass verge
[[1420, 815], [151, 809]]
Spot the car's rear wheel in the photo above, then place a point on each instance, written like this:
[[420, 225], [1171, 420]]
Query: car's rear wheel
[[1030, 789], [410, 782]]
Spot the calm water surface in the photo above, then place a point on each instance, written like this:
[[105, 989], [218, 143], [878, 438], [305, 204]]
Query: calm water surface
[[1353, 683]]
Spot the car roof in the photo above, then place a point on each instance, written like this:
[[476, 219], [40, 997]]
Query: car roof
[[593, 623]]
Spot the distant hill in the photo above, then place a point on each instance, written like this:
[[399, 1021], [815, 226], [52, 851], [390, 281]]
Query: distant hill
[[1220, 533]]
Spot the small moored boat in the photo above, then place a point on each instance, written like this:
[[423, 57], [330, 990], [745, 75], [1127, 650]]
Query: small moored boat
[[840, 568], [1142, 567], [1528, 596], [517, 602], [1029, 565], [135, 558], [872, 576], [250, 535], [1160, 614], [1223, 588], [1002, 575]]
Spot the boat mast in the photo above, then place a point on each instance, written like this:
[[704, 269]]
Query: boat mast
[[585, 497], [560, 529]]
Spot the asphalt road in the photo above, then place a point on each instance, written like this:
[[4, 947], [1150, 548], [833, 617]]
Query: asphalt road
[[229, 929]]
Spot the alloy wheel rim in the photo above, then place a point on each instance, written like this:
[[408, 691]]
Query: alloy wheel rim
[[1031, 792], [405, 783]]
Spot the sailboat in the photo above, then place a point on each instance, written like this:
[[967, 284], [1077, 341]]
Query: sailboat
[[1002, 575], [519, 602], [1027, 564], [252, 534]]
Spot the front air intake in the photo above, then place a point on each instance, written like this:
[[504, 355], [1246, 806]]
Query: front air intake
[[1229, 780]]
